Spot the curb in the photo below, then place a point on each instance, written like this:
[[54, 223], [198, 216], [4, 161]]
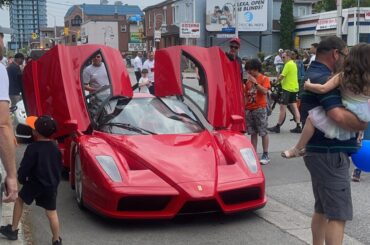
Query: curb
[[6, 218]]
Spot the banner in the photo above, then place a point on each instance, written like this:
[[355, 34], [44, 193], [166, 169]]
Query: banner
[[251, 15], [136, 37], [324, 24], [136, 46]]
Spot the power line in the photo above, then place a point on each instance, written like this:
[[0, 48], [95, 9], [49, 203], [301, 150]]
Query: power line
[[64, 4]]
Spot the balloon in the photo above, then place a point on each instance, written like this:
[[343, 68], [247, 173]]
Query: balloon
[[362, 158]]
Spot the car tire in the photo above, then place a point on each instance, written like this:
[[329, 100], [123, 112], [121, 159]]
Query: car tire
[[78, 181]]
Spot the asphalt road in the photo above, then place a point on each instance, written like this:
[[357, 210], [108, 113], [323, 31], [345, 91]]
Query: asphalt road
[[289, 209]]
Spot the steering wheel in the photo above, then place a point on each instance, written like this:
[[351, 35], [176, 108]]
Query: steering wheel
[[101, 89]]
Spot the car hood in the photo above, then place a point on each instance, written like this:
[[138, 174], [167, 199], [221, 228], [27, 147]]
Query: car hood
[[174, 158]]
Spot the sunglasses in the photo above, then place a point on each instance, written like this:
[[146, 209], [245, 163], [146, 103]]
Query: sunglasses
[[234, 47], [97, 57], [341, 53]]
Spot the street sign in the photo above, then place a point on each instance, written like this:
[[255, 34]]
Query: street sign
[[157, 34], [136, 46], [190, 30], [225, 35]]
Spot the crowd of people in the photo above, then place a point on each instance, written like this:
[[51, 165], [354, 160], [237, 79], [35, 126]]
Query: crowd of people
[[331, 84]]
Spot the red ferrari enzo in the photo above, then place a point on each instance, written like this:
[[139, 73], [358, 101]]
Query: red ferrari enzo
[[135, 155]]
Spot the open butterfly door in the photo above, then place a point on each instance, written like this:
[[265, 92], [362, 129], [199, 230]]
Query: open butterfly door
[[206, 77]]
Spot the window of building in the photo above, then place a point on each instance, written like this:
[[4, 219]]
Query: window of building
[[302, 11], [164, 20], [150, 20], [173, 14], [66, 24], [76, 21], [123, 28]]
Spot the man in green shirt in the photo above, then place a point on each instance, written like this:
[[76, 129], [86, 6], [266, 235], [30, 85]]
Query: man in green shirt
[[290, 86]]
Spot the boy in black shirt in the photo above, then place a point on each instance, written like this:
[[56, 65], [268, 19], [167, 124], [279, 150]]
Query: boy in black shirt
[[39, 173]]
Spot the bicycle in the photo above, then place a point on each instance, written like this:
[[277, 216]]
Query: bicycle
[[274, 98]]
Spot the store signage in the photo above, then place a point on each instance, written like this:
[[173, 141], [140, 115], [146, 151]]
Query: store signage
[[190, 30], [324, 24], [136, 46]]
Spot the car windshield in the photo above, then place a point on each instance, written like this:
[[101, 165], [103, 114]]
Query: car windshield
[[132, 116]]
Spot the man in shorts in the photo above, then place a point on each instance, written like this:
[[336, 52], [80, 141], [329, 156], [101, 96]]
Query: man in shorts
[[290, 87], [255, 90], [327, 159]]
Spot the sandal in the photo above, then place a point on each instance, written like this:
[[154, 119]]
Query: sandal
[[293, 152]]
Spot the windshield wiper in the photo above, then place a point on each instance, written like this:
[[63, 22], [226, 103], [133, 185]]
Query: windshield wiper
[[128, 127]]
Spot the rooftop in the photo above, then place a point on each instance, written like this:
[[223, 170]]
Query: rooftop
[[98, 9]]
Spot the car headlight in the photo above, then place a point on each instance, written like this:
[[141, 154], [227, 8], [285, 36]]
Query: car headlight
[[109, 167], [249, 159]]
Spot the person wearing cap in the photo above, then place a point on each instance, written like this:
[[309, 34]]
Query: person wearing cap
[[234, 46], [40, 174], [327, 159], [278, 62], [7, 146], [15, 78]]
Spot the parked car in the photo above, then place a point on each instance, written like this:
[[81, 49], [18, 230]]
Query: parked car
[[135, 155]]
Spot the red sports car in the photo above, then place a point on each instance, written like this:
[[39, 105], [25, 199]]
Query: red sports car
[[135, 155]]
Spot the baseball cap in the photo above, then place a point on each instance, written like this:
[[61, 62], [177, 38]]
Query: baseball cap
[[281, 50], [235, 40], [44, 125]]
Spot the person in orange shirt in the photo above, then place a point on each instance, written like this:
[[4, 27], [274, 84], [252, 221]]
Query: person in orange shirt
[[255, 92]]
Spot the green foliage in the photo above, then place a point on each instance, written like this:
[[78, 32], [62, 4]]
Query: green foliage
[[325, 5], [286, 24], [328, 5], [353, 3], [10, 53], [4, 3], [261, 56]]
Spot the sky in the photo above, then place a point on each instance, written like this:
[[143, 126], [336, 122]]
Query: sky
[[57, 9]]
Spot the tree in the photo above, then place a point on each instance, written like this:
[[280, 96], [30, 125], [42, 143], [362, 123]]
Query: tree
[[328, 5], [4, 3], [286, 24]]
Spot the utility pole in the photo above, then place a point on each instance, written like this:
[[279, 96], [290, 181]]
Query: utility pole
[[358, 22], [339, 18], [236, 18]]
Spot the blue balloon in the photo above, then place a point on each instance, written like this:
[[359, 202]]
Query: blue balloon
[[362, 158]]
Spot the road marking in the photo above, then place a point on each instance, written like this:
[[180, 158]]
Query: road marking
[[293, 222]]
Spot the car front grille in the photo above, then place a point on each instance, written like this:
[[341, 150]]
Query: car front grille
[[202, 206], [240, 195], [143, 203]]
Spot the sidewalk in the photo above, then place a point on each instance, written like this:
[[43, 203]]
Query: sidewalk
[[6, 218]]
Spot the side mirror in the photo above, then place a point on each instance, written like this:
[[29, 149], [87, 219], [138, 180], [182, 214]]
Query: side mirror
[[70, 126], [236, 119], [236, 123]]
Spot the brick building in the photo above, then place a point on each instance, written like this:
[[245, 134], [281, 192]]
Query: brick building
[[84, 13], [159, 20]]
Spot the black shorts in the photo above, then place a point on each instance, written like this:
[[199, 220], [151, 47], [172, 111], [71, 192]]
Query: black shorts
[[287, 97], [44, 198]]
